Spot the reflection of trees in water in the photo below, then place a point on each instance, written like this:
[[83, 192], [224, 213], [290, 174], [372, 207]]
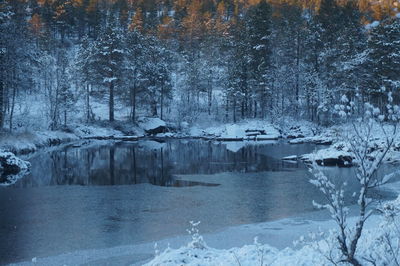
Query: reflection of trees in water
[[133, 163]]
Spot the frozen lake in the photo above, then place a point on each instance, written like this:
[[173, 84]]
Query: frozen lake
[[106, 194]]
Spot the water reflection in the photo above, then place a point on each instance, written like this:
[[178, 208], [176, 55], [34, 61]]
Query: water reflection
[[109, 164]]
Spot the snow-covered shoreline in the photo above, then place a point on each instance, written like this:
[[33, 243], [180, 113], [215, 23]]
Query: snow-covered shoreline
[[251, 130]]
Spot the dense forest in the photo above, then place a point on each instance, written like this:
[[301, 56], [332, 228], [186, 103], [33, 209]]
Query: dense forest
[[187, 60]]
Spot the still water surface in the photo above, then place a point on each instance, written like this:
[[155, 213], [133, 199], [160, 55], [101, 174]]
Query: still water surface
[[110, 194]]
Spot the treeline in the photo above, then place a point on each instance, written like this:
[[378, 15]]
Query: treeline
[[186, 59]]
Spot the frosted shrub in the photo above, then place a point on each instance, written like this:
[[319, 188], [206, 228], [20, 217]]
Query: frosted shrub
[[197, 239], [368, 156]]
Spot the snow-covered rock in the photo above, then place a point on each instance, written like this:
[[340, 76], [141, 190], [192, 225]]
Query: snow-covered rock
[[11, 168], [153, 125], [12, 164], [336, 155]]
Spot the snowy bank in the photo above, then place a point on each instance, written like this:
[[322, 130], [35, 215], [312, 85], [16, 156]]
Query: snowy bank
[[246, 130], [379, 245], [22, 143], [27, 142]]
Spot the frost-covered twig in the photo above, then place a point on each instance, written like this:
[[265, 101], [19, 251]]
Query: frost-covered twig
[[361, 143]]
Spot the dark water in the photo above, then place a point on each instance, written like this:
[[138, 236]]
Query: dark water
[[104, 195], [154, 162]]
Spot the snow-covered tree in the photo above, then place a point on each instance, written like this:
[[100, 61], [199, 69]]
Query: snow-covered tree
[[383, 62], [136, 59], [368, 155], [157, 75], [108, 61]]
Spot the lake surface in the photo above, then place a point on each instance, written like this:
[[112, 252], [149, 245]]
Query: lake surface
[[106, 194]]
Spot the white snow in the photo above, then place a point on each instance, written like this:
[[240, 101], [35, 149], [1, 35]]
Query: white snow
[[314, 249], [290, 158], [8, 161], [246, 130], [327, 154], [29, 142], [151, 123], [87, 132]]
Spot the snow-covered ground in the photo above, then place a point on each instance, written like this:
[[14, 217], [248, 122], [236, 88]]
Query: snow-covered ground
[[316, 248], [26, 142], [247, 130]]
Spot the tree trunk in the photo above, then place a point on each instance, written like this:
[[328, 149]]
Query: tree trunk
[[234, 111], [133, 97], [162, 102], [87, 103], [1, 104], [133, 103], [12, 107], [226, 110], [65, 118], [111, 102], [297, 91], [154, 107], [210, 89]]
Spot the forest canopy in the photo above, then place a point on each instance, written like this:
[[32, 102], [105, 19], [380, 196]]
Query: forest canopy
[[184, 59]]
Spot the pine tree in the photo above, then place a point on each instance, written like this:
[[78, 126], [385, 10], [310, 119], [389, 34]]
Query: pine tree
[[84, 72], [258, 30], [5, 15], [157, 76], [66, 94], [108, 61], [136, 59], [383, 62]]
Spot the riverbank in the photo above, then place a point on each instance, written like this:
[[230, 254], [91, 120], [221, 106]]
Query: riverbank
[[338, 152]]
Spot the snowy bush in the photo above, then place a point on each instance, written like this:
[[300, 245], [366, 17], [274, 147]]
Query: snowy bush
[[362, 144]]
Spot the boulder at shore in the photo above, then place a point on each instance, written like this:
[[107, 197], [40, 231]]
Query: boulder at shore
[[153, 125], [11, 167]]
